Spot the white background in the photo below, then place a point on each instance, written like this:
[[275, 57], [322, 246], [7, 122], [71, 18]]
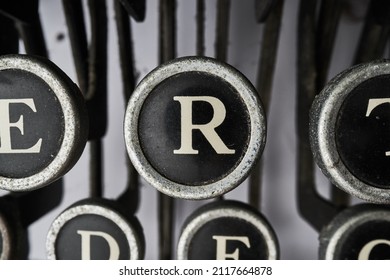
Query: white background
[[279, 203]]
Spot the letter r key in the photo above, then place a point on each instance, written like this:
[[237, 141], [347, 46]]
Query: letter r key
[[194, 128]]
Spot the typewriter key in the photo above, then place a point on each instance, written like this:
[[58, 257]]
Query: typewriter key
[[43, 123], [194, 128], [95, 229], [227, 230], [361, 232], [350, 131]]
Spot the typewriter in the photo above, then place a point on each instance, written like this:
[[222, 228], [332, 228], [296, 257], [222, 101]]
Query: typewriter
[[194, 129]]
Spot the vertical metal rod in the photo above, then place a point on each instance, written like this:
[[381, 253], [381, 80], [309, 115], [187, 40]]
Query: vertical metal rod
[[32, 35], [167, 51], [123, 23], [222, 36], [9, 38], [222, 30], [328, 21], [91, 69], [74, 17], [200, 27], [97, 92], [167, 34], [375, 32], [265, 75], [312, 207]]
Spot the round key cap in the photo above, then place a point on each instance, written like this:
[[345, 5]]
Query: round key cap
[[350, 131], [360, 232], [43, 123], [227, 230], [194, 128], [95, 230]]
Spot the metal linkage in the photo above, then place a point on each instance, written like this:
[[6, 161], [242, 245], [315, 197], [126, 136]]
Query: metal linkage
[[268, 54], [222, 30], [28, 24], [316, 210], [167, 51], [328, 21], [123, 23], [91, 67], [375, 32], [200, 27]]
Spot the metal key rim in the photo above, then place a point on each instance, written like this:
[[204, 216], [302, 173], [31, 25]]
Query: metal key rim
[[323, 117], [73, 113], [239, 83], [118, 219]]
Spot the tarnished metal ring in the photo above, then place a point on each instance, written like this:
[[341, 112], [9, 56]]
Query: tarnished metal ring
[[90, 209], [228, 209], [257, 127], [75, 121], [323, 118]]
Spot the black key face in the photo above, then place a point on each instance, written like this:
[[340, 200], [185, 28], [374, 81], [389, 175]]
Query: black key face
[[193, 128], [43, 123], [229, 231], [350, 131], [361, 233], [91, 232], [363, 131], [31, 124]]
